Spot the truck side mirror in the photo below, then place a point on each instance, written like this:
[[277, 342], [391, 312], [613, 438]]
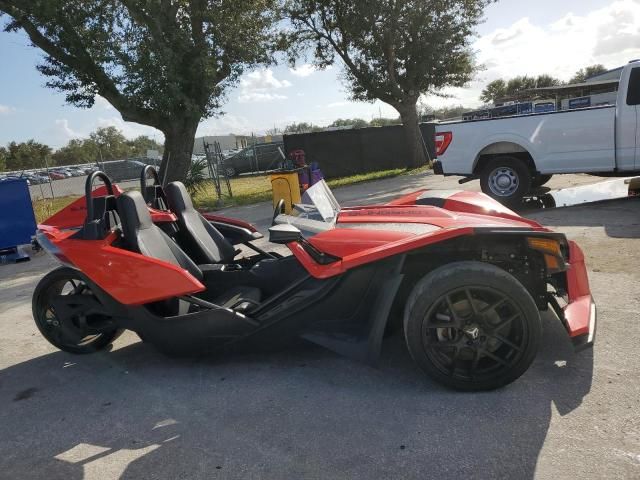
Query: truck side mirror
[[284, 233]]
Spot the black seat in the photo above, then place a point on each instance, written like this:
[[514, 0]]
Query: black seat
[[143, 236], [200, 240]]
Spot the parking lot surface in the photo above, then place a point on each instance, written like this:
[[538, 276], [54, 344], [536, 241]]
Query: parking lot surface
[[307, 413]]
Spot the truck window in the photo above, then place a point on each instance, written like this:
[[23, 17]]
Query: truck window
[[633, 92]]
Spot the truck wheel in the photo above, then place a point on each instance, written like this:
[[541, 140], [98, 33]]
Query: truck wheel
[[539, 180], [506, 179], [472, 326]]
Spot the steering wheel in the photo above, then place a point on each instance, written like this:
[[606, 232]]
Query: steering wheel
[[279, 210]]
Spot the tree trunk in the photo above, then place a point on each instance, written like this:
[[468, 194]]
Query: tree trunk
[[413, 136], [178, 147]]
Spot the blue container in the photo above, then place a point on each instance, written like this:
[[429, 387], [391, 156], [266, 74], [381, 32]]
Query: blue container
[[17, 221]]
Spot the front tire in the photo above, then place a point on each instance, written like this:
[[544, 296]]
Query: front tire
[[506, 179], [66, 334], [472, 326]]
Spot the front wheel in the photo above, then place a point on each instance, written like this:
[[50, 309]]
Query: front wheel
[[472, 326], [71, 334], [506, 179]]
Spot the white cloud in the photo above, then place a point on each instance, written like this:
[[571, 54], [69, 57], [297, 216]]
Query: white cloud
[[6, 109], [102, 103], [338, 104], [303, 70], [224, 125], [260, 85], [608, 35]]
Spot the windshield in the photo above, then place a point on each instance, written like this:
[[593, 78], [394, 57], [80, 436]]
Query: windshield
[[316, 212]]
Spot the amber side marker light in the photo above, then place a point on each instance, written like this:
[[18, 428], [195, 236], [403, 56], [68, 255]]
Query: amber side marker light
[[551, 250]]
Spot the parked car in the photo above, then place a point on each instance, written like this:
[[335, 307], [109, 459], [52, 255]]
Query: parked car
[[54, 175], [511, 155], [256, 158], [120, 170]]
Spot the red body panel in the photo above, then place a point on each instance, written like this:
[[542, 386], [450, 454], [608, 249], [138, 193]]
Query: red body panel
[[231, 221], [578, 312], [74, 214], [130, 278]]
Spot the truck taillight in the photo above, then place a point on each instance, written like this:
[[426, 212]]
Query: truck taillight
[[442, 141]]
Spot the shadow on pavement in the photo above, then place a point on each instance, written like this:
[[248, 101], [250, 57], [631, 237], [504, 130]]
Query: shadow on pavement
[[303, 413], [620, 218]]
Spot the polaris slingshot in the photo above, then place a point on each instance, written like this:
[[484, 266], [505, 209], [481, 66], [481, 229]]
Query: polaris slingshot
[[465, 277]]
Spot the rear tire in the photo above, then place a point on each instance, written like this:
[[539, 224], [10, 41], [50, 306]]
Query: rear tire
[[472, 326], [50, 326], [506, 179]]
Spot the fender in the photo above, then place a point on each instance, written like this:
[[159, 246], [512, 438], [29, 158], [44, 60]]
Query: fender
[[508, 138]]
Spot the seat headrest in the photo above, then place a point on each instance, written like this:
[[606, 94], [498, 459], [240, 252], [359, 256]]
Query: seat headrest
[[178, 197], [134, 214]]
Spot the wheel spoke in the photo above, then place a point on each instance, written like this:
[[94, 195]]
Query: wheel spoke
[[467, 292], [506, 341], [491, 355], [505, 323], [454, 316], [454, 361], [474, 363], [494, 305]]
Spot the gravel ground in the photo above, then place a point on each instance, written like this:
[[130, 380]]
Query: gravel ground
[[308, 413]]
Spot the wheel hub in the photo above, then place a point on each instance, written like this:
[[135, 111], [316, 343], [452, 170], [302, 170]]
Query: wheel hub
[[503, 181], [472, 331]]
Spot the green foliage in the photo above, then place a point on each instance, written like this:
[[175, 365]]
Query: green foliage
[[349, 122], [383, 122], [392, 50], [494, 90], [26, 155], [196, 180], [163, 63], [444, 113], [3, 158], [500, 89], [302, 127], [584, 73]]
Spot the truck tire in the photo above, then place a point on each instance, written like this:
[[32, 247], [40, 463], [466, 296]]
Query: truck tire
[[506, 179], [539, 180]]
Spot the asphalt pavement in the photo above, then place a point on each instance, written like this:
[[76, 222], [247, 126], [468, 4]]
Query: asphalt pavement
[[306, 412]]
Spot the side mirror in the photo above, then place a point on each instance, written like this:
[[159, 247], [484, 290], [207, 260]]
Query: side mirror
[[284, 233]]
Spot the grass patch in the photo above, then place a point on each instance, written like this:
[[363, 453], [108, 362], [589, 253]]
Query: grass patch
[[248, 190], [43, 208]]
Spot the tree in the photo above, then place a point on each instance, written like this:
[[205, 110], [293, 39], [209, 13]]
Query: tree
[[546, 80], [349, 122], [383, 122], [75, 152], [392, 50], [302, 127], [162, 63], [111, 143], [26, 155], [494, 91], [3, 159], [139, 146], [584, 73]]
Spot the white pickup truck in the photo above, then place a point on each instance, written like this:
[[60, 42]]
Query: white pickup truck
[[511, 155]]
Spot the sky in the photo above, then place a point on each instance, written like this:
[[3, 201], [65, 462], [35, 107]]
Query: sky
[[518, 37]]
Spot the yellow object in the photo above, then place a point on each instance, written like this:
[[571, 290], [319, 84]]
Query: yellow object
[[285, 185]]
